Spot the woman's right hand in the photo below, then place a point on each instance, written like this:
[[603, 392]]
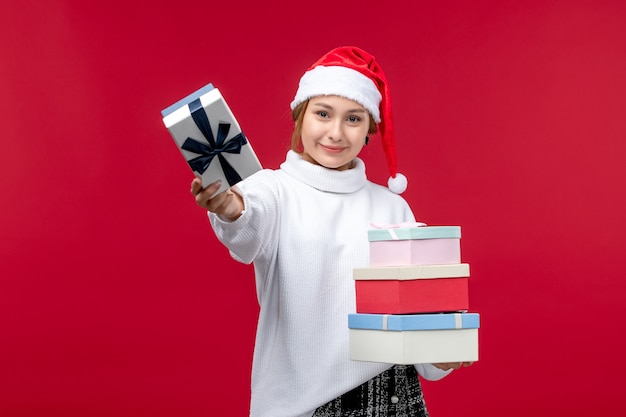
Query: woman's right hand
[[227, 203]]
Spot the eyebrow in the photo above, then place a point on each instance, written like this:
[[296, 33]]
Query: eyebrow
[[329, 107]]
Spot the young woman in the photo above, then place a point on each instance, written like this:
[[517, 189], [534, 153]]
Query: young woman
[[304, 227]]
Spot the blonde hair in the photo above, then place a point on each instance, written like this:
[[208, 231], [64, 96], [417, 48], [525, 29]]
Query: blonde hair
[[297, 114]]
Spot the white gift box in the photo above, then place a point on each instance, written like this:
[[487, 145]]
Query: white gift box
[[416, 338], [210, 138]]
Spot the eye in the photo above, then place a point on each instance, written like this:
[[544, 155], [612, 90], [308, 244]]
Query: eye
[[354, 119], [322, 113]]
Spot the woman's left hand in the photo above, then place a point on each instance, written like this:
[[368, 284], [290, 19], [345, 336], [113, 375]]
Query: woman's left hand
[[452, 365]]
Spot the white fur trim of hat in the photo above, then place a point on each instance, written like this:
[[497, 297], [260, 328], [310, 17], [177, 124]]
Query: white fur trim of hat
[[339, 81]]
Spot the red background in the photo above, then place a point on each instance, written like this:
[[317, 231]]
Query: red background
[[117, 300]]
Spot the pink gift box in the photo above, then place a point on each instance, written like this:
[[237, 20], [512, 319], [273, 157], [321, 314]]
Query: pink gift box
[[418, 245]]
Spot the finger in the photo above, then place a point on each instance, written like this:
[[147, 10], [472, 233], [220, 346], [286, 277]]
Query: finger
[[214, 204], [212, 189], [446, 366], [203, 197], [443, 366], [196, 186]]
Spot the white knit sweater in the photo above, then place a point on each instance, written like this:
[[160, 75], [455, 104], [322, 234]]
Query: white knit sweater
[[305, 228]]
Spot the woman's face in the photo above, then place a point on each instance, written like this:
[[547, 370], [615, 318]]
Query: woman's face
[[333, 131]]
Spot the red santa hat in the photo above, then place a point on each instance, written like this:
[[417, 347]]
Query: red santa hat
[[352, 73]]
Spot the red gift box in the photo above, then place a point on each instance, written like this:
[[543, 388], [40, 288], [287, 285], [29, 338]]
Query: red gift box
[[412, 289]]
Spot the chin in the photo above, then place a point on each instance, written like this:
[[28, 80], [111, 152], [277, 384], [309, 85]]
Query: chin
[[337, 165], [331, 162]]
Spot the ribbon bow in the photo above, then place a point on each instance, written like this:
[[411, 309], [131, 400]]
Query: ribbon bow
[[390, 227], [216, 146], [397, 226]]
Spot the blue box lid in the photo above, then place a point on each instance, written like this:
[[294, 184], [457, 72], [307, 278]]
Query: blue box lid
[[407, 233], [399, 322], [186, 100]]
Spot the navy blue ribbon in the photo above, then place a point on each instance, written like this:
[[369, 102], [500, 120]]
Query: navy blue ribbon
[[216, 145]]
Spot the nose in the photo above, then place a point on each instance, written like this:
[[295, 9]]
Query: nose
[[335, 131]]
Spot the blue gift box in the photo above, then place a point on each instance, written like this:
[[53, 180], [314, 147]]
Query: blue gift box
[[210, 138], [414, 338], [400, 322]]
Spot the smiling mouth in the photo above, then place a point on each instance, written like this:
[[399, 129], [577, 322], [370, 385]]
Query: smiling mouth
[[332, 149]]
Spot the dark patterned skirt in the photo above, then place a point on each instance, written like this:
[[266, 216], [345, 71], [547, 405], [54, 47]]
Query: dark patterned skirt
[[397, 392]]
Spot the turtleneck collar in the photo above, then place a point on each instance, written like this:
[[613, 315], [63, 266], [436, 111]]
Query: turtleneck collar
[[325, 179]]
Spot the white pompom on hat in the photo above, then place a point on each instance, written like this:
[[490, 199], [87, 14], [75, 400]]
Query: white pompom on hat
[[352, 73]]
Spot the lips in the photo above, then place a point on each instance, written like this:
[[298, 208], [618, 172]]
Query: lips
[[332, 149]]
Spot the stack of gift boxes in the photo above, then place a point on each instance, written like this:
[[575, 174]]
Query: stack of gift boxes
[[412, 301]]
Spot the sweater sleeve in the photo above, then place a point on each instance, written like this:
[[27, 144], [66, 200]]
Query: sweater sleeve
[[430, 372], [254, 233]]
